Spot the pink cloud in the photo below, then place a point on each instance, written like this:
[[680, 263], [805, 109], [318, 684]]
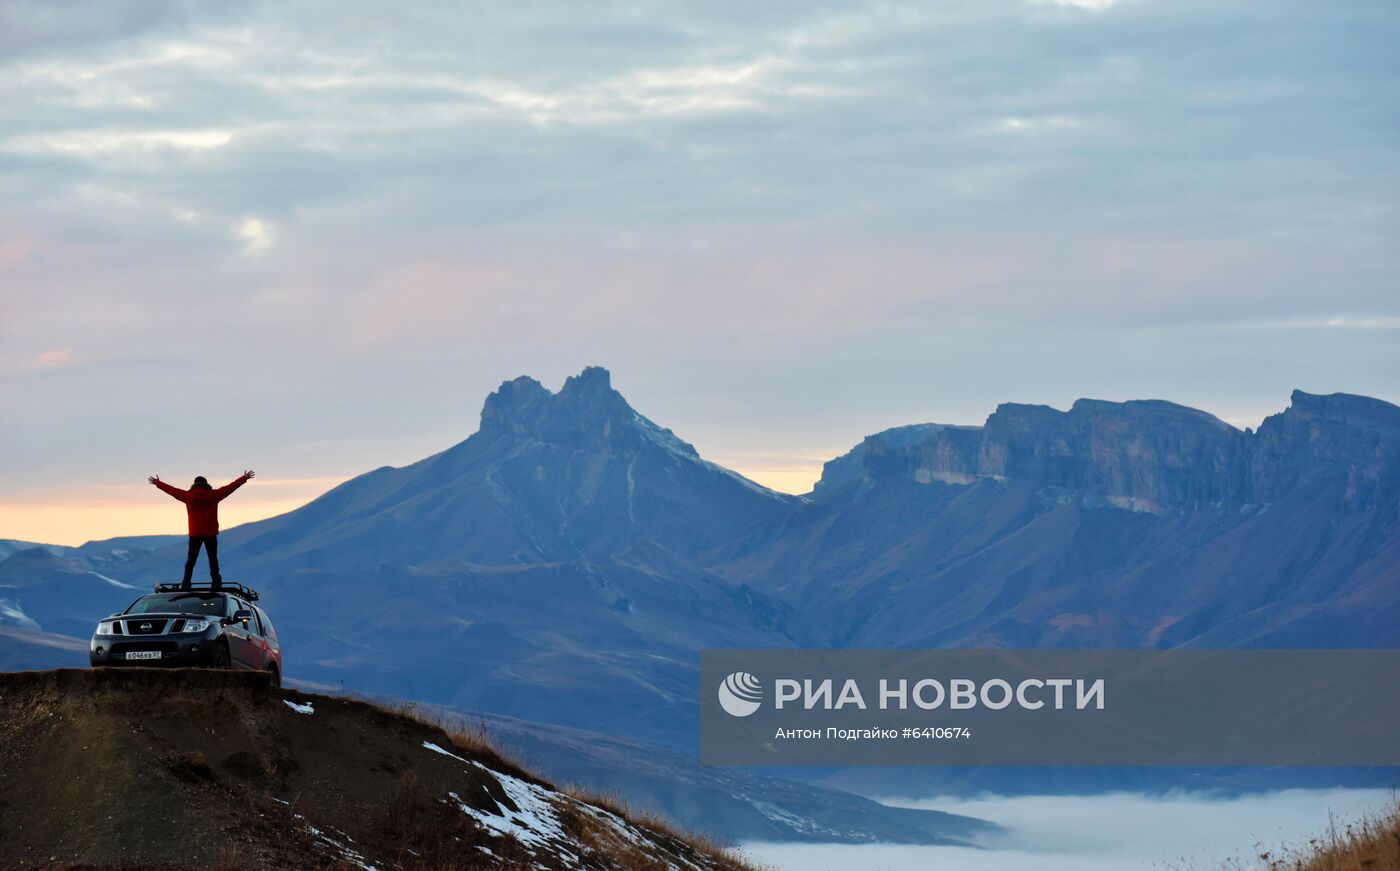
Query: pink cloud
[[445, 291], [53, 358]]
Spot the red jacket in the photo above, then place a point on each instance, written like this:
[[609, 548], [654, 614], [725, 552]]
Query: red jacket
[[202, 504]]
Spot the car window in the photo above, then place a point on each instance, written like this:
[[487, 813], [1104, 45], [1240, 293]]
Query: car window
[[266, 623], [254, 625], [180, 603]]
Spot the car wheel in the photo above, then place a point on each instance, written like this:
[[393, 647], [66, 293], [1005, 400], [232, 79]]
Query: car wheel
[[276, 675], [220, 659]]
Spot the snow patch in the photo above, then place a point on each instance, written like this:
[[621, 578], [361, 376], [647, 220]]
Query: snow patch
[[428, 745], [632, 834], [534, 824], [669, 442], [113, 581], [664, 438], [300, 709], [14, 612], [798, 824], [345, 851]]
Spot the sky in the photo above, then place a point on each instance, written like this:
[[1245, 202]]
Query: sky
[[308, 238]]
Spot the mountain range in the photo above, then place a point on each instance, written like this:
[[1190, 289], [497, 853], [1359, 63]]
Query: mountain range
[[565, 563]]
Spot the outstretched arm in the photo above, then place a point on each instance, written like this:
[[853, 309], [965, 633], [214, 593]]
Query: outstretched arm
[[234, 484], [173, 491]]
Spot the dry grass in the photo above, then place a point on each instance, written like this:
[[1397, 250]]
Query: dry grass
[[664, 829], [472, 739], [1369, 844], [227, 859], [428, 834]]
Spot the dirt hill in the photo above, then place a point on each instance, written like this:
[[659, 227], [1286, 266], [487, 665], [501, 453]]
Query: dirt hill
[[148, 768]]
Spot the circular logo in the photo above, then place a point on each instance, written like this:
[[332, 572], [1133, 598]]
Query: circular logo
[[145, 627], [740, 694]]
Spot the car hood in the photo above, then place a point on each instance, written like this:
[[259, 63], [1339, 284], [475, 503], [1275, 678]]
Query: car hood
[[161, 615]]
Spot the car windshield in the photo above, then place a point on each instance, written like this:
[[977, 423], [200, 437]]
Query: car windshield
[[179, 603]]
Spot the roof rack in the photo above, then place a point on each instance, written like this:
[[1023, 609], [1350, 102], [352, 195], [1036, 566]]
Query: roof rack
[[226, 587]]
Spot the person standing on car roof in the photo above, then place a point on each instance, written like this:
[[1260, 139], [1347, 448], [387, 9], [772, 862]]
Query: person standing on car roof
[[202, 506]]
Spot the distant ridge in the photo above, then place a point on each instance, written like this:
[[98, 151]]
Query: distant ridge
[[1148, 455]]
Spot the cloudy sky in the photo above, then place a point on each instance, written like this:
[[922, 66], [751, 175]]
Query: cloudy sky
[[309, 238]]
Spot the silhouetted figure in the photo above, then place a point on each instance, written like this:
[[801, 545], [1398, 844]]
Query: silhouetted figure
[[202, 505]]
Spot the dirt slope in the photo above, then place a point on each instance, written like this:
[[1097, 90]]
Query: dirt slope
[[149, 768]]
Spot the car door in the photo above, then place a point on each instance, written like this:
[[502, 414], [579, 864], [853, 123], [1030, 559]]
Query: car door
[[257, 642], [269, 635], [241, 644]]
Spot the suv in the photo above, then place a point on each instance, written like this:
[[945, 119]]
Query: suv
[[199, 626]]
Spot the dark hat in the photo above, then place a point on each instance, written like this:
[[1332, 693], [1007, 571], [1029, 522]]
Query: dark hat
[[199, 481]]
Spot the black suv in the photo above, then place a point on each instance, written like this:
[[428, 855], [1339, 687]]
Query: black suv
[[200, 626]]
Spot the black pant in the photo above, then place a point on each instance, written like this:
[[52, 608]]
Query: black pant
[[211, 547]]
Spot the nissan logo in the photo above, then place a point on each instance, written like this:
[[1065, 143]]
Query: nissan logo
[[145, 627]]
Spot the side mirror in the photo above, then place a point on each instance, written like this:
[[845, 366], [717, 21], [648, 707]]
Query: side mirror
[[242, 616]]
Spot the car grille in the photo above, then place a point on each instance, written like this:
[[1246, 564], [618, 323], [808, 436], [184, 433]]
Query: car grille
[[145, 627]]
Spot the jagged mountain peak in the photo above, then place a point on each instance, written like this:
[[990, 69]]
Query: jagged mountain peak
[[587, 413], [593, 380], [549, 476], [514, 401]]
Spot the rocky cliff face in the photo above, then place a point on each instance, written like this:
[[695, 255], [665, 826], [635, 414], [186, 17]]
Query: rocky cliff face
[[923, 452], [1340, 445], [587, 414], [1148, 455]]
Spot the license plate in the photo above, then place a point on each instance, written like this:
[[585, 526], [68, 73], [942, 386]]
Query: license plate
[[143, 654]]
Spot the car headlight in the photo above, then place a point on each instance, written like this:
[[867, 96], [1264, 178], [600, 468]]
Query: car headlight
[[104, 628], [194, 625]]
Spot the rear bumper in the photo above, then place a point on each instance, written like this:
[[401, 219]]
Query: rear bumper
[[174, 651]]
